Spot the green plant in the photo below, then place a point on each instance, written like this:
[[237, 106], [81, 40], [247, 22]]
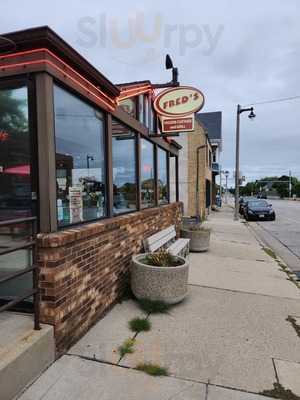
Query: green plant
[[126, 347], [139, 325], [154, 306], [162, 258], [152, 369], [294, 324], [279, 392], [270, 252]]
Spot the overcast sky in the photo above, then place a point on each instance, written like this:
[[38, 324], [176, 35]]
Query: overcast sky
[[233, 51]]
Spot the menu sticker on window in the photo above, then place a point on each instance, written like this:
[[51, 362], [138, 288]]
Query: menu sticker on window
[[75, 204]]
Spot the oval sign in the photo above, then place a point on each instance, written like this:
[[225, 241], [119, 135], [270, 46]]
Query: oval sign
[[178, 101]]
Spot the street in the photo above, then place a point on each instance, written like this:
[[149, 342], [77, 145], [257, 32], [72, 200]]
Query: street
[[283, 235]]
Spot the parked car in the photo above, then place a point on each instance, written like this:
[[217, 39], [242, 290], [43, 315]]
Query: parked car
[[242, 203], [259, 210], [262, 195]]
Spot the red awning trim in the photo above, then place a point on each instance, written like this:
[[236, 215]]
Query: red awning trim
[[110, 103]]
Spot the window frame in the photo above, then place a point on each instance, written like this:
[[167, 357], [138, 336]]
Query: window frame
[[155, 203], [17, 82], [167, 154], [136, 143], [105, 155]]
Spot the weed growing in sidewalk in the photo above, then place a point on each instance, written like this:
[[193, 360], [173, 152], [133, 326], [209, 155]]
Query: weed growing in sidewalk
[[139, 325], [152, 369], [270, 252], [154, 306], [294, 324], [279, 392], [126, 347]]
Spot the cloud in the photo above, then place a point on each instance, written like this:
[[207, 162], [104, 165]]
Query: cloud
[[257, 57]]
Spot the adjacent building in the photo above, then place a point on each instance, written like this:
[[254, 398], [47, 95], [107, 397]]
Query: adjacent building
[[212, 123], [195, 171]]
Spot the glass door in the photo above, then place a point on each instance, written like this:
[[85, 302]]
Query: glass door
[[17, 200]]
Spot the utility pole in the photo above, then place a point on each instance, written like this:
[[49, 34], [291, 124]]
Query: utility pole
[[237, 164], [220, 191], [290, 184], [239, 111]]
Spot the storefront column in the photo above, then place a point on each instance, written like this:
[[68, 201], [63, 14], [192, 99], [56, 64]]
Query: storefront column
[[46, 153], [177, 178], [109, 166]]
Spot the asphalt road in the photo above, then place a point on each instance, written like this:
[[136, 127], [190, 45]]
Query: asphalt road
[[283, 234]]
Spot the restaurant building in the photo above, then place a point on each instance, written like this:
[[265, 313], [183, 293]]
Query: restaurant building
[[82, 162]]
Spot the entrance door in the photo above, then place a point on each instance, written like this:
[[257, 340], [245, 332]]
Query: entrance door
[[17, 198], [208, 193]]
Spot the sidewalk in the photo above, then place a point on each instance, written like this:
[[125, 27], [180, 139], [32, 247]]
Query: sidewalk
[[229, 340]]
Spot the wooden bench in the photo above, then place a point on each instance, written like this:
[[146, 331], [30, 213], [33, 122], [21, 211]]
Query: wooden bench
[[167, 239]]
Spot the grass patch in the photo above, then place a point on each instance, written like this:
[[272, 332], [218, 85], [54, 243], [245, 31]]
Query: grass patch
[[270, 252], [140, 325], [154, 306], [126, 347], [152, 369], [294, 324], [279, 392]]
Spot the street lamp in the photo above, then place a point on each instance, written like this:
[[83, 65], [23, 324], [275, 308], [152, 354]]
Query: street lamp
[[251, 115]]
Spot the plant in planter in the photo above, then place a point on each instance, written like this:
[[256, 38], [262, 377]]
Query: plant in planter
[[199, 236], [159, 276]]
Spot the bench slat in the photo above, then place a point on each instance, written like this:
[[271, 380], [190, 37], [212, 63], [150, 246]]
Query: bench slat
[[178, 246], [159, 239]]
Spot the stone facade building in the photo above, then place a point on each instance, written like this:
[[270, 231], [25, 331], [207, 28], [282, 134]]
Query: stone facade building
[[195, 146]]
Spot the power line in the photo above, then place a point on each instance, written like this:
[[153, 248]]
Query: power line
[[274, 101]]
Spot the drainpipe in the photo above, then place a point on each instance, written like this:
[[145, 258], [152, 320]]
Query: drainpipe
[[197, 184]]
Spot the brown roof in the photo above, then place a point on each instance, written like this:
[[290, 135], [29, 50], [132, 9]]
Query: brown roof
[[45, 37]]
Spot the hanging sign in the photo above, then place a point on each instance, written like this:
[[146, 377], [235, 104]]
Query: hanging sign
[[179, 101], [176, 108]]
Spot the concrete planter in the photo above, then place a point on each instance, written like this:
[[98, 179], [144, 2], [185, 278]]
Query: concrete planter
[[168, 284], [199, 239]]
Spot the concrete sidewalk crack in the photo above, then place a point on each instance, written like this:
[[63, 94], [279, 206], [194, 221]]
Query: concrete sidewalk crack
[[242, 292]]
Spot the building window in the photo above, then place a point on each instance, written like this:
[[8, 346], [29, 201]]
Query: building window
[[147, 174], [129, 106], [162, 176], [141, 108], [80, 171], [146, 113], [172, 178], [15, 154], [124, 168]]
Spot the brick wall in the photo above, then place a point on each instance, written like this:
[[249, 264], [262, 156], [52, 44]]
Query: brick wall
[[84, 270]]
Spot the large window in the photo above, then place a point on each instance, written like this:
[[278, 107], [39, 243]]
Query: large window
[[15, 154], [124, 168], [147, 174], [80, 172], [162, 176], [172, 178]]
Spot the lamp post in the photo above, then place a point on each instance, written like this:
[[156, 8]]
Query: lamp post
[[251, 115], [226, 186]]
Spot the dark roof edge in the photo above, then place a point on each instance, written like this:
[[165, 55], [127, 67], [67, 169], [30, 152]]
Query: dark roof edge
[[44, 36]]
